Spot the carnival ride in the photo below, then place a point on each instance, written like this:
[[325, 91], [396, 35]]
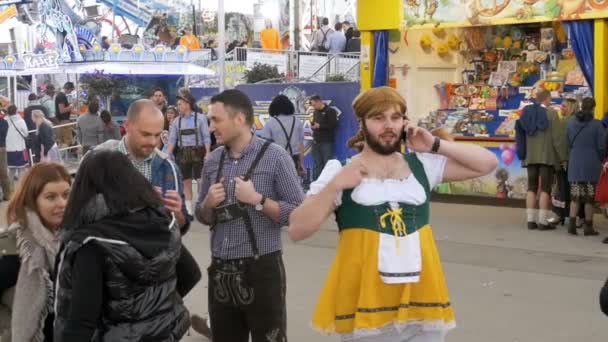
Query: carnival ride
[[71, 27]]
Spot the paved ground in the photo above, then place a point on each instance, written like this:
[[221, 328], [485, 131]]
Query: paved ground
[[507, 284]]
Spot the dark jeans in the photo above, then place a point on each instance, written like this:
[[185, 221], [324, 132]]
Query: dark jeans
[[48, 328], [9, 271], [247, 296], [5, 181], [322, 152]]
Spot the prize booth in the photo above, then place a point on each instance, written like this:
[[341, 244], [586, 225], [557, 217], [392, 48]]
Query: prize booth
[[470, 70]]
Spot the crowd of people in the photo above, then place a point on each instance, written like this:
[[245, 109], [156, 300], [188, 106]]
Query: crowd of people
[[50, 122], [93, 258], [102, 258], [564, 157], [342, 38]]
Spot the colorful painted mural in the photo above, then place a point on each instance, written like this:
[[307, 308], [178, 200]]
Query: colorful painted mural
[[509, 180], [459, 13]]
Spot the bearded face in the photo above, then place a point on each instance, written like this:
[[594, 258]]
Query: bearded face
[[384, 142]]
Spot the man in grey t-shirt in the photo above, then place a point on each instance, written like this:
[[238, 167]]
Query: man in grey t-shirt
[[90, 128]]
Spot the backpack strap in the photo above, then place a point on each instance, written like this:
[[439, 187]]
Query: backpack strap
[[245, 214], [196, 129], [256, 161], [287, 136], [577, 133], [220, 167], [324, 38], [179, 131]]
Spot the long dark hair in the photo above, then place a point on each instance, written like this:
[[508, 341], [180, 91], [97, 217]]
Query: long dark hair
[[281, 105], [112, 175], [587, 108]]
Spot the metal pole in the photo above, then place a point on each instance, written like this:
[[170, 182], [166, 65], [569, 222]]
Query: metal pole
[[34, 84], [9, 87], [194, 30], [297, 32], [292, 24], [78, 102], [221, 23], [15, 91], [113, 20]]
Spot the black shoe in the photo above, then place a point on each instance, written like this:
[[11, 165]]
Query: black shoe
[[572, 227], [546, 227], [589, 231], [532, 225], [605, 240]]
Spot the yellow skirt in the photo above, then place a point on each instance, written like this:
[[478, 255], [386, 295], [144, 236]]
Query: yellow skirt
[[354, 298]]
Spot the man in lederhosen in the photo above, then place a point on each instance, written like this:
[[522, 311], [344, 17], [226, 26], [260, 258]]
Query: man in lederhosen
[[249, 188], [189, 133]]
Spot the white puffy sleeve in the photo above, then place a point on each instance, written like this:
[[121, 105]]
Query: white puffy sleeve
[[331, 169], [434, 167]]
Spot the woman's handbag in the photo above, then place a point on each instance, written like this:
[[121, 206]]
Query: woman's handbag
[[8, 242], [601, 193]]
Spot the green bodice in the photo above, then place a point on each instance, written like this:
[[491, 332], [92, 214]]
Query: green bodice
[[353, 215]]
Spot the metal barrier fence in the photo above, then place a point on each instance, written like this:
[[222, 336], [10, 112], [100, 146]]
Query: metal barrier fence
[[202, 57], [293, 65], [71, 154]]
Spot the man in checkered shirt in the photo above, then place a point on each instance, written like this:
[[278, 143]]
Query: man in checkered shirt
[[247, 276]]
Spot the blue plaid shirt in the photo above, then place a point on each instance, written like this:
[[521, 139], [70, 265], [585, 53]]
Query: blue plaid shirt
[[275, 177]]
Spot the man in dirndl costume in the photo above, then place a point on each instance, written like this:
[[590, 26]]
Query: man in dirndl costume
[[386, 282]]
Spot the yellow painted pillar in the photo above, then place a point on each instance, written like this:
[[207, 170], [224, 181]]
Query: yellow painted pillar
[[374, 15], [600, 66], [367, 60]]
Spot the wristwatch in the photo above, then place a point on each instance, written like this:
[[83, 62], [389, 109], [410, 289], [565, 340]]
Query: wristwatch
[[260, 206], [436, 145]]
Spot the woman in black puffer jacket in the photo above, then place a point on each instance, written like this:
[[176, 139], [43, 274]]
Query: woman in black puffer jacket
[[117, 277], [604, 298]]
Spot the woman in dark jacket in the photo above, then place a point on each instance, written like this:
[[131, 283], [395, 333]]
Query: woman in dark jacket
[[561, 186], [604, 298], [117, 274], [587, 151]]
